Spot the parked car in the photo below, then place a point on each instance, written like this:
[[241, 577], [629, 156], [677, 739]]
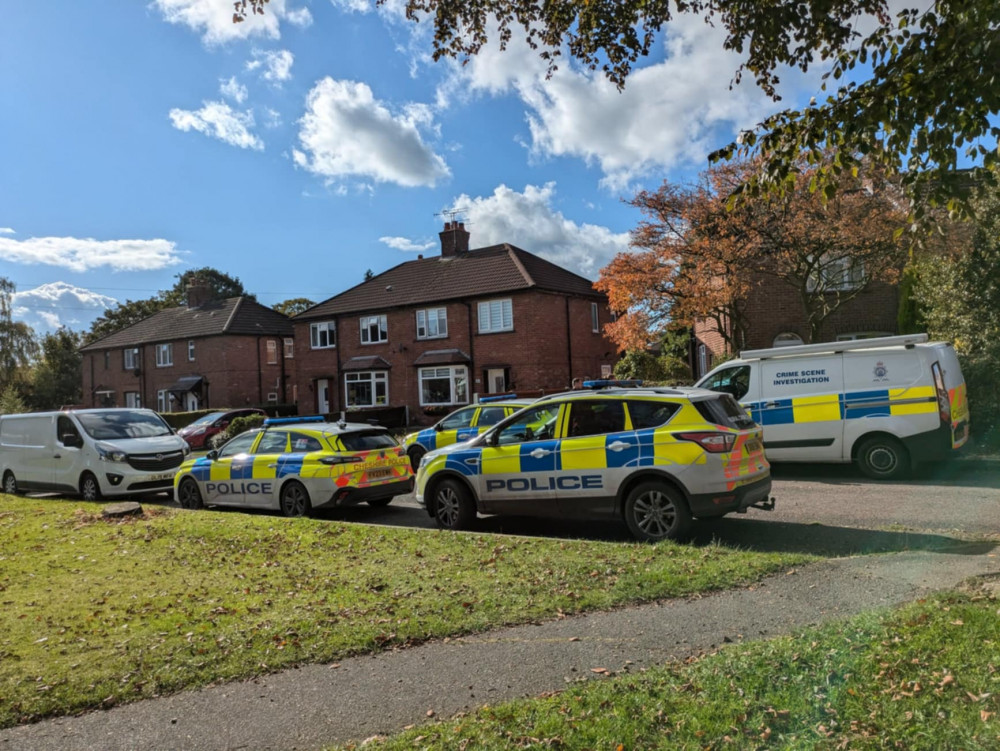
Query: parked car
[[297, 465], [89, 452], [199, 432], [460, 425], [652, 457]]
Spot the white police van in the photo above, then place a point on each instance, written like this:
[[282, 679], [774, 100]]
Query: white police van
[[885, 403]]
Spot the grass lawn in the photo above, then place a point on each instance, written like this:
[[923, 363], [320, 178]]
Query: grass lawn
[[97, 612], [926, 676]]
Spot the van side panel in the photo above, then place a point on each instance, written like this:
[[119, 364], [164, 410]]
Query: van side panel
[[27, 445]]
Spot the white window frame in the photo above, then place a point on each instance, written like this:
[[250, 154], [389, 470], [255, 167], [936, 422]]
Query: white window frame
[[432, 323], [289, 348], [190, 350], [133, 399], [595, 318], [378, 380], [841, 274], [272, 351], [162, 400], [458, 384], [377, 323], [499, 312], [323, 335], [131, 358], [164, 355]]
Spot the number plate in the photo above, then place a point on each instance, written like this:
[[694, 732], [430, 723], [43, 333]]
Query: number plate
[[378, 474], [754, 444]]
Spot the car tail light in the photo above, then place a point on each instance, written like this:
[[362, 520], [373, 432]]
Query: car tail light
[[714, 443], [340, 459], [944, 402]]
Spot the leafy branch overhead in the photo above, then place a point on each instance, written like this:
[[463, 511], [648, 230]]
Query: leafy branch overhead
[[916, 95]]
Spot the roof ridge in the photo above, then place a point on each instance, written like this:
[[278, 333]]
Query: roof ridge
[[512, 252], [232, 316]]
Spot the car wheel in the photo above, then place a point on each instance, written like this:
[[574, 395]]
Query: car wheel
[[453, 506], [656, 511], [90, 490], [295, 500], [189, 495], [883, 458], [416, 453], [379, 502], [9, 483]]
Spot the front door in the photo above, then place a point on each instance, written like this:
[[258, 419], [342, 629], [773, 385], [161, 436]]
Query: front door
[[496, 381], [323, 396]]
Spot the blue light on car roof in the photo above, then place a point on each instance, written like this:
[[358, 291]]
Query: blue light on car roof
[[611, 383], [502, 397], [292, 420]]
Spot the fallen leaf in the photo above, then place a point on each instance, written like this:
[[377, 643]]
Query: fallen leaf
[[599, 670]]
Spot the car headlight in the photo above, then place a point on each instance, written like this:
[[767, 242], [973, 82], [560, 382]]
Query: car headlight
[[424, 461], [186, 449], [108, 453]]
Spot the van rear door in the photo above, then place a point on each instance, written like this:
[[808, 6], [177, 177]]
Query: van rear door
[[954, 387]]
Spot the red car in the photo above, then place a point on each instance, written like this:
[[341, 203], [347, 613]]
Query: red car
[[197, 433]]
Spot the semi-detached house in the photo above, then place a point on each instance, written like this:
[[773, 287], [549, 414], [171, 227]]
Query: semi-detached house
[[438, 332], [203, 355]]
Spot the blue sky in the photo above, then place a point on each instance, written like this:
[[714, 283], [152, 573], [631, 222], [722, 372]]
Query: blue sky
[[298, 150]]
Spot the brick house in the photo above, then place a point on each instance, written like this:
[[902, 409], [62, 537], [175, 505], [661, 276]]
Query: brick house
[[203, 355], [434, 333], [776, 316]]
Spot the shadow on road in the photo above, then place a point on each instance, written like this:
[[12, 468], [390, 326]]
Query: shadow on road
[[967, 473]]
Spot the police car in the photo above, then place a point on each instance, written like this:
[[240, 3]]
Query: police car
[[652, 457], [461, 425], [296, 465]]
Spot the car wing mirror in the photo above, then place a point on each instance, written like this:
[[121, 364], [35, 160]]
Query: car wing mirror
[[71, 440], [212, 455]]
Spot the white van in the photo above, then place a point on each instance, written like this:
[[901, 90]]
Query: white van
[[89, 452], [885, 403]]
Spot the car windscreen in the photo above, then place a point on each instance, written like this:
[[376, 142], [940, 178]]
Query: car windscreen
[[122, 424], [724, 410], [367, 441], [206, 419]]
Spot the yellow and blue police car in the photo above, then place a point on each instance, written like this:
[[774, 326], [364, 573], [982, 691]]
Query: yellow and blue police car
[[297, 465], [652, 457], [461, 425]]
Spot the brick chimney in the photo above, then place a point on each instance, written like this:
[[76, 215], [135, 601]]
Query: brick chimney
[[198, 293], [454, 239]]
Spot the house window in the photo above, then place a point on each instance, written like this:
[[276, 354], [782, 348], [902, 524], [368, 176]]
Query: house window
[[836, 275], [595, 320], [107, 359], [787, 339], [444, 386], [323, 335], [191, 350], [272, 352], [289, 348], [132, 359], [162, 400], [133, 399], [366, 388], [374, 329], [432, 323], [164, 355], [495, 315]]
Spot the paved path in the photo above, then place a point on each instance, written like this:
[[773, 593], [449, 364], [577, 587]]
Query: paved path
[[314, 706]]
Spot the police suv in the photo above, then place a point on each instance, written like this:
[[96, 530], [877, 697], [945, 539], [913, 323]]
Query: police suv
[[652, 457], [296, 465]]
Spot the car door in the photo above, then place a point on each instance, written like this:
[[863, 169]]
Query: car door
[[518, 464], [270, 464], [229, 470], [596, 453], [66, 459], [800, 408], [456, 427]]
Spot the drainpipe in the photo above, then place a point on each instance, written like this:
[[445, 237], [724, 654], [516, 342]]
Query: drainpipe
[[260, 393], [569, 346], [472, 348]]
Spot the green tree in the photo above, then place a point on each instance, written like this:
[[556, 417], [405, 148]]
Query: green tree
[[11, 402], [132, 311], [58, 374], [18, 346], [294, 306], [923, 93]]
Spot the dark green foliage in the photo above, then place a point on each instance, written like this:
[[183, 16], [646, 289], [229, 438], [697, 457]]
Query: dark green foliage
[[294, 306], [58, 375]]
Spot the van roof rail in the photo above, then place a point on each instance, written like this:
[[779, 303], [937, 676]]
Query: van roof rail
[[905, 340]]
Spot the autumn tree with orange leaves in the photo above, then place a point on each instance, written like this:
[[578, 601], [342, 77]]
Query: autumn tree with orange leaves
[[698, 257]]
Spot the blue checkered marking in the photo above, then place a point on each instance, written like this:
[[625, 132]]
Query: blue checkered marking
[[865, 404], [289, 464], [638, 454], [548, 463], [201, 470], [427, 439], [465, 434], [782, 414], [456, 462], [241, 469]]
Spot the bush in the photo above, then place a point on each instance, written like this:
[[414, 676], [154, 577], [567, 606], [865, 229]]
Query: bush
[[237, 426]]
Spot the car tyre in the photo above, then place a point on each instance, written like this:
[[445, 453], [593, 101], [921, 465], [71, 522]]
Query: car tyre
[[656, 511], [189, 495], [90, 489], [10, 483], [295, 500], [883, 458], [416, 453], [453, 505]]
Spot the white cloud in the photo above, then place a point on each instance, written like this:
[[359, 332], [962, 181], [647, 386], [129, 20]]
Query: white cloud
[[406, 244], [213, 19], [670, 114], [275, 65], [529, 221], [219, 120], [347, 132], [234, 90], [58, 304], [86, 254], [6, 231], [354, 6]]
